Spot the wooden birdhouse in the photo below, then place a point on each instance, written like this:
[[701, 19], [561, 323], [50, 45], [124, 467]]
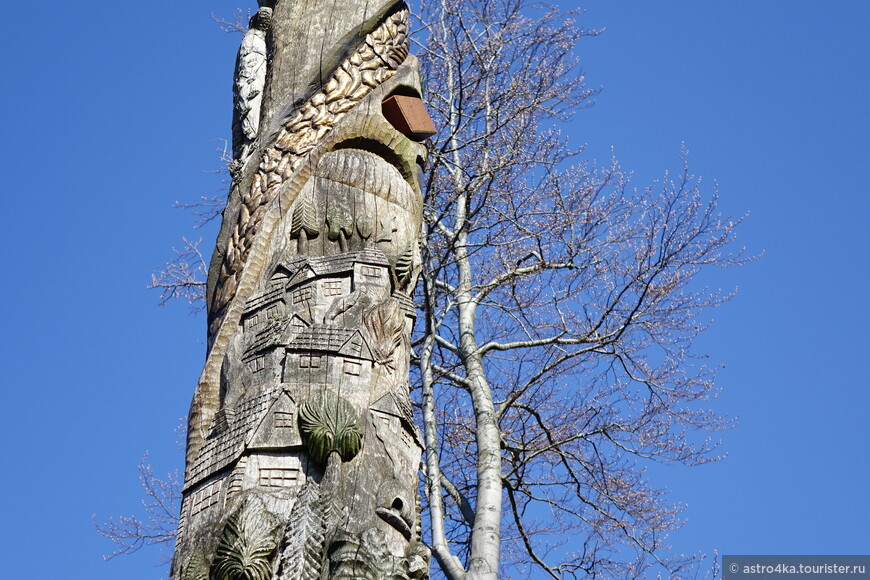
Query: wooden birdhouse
[[408, 115]]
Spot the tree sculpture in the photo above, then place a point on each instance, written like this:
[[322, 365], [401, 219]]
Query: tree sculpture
[[302, 455], [559, 307]]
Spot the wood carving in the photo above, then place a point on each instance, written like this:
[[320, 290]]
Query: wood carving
[[196, 568], [247, 544], [329, 424], [302, 453], [250, 81]]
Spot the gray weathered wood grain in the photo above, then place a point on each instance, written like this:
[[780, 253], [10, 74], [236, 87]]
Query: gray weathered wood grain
[[302, 453]]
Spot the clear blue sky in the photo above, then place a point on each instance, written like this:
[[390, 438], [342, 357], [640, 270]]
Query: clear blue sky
[[112, 112]]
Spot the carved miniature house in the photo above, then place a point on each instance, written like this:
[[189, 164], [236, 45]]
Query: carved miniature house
[[295, 341], [257, 444]]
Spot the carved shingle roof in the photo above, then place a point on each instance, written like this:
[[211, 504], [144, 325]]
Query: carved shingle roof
[[224, 447], [322, 266], [331, 339], [321, 337], [398, 404], [403, 403], [266, 338], [345, 262], [291, 265], [405, 302], [276, 333], [272, 294]]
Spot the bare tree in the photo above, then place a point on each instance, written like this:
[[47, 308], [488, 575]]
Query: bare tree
[[556, 314], [559, 310], [183, 277]]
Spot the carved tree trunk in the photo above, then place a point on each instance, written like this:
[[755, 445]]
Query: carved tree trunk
[[302, 454]]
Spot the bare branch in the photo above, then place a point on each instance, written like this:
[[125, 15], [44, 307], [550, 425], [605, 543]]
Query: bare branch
[[238, 23], [183, 277], [161, 505]]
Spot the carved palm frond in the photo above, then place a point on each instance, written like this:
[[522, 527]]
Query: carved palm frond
[[329, 423], [246, 546]]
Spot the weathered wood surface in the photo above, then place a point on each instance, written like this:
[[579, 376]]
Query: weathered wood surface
[[302, 453]]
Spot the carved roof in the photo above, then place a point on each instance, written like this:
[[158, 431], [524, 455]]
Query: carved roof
[[272, 294], [406, 303], [276, 333], [325, 265], [398, 404], [332, 339], [403, 403], [286, 268], [223, 447]]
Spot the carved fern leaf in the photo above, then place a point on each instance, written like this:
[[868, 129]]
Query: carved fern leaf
[[246, 546], [405, 267], [196, 569], [302, 555]]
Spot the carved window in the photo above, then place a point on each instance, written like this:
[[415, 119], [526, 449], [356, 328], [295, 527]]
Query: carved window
[[352, 368], [278, 476], [332, 288], [371, 271], [205, 498], [301, 295], [283, 420], [388, 228], [252, 322], [406, 438], [355, 346], [273, 311], [258, 363], [237, 477], [309, 361]]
